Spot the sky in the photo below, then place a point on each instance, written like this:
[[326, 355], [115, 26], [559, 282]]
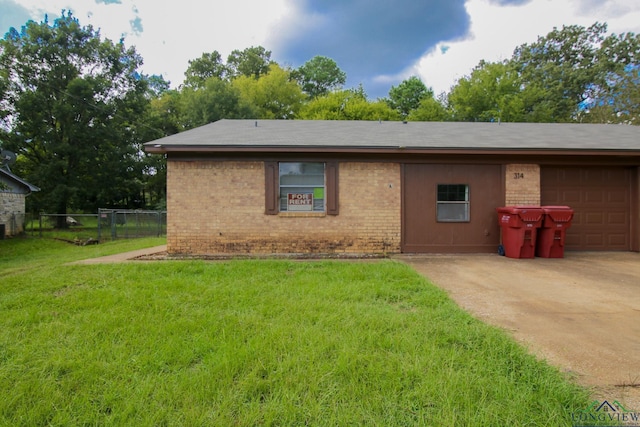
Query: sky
[[378, 43]]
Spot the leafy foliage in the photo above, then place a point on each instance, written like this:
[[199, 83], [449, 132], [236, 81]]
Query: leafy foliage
[[218, 99], [70, 101], [351, 104], [251, 62], [491, 92], [319, 76], [201, 69], [571, 74], [273, 96], [407, 95]]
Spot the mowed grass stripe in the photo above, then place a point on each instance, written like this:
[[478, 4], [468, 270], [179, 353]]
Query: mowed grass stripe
[[260, 343]]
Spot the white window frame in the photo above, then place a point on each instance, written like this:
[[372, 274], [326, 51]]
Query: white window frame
[[442, 205]]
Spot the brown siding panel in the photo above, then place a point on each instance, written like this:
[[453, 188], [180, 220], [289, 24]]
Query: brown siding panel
[[271, 188], [421, 232], [332, 188]]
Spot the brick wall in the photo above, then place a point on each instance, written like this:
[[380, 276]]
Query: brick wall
[[218, 207], [522, 185]]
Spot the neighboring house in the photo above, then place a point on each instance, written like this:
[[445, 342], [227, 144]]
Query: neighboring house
[[13, 192], [275, 186]]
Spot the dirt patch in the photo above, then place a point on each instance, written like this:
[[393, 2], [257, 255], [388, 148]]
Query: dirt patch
[[580, 313]]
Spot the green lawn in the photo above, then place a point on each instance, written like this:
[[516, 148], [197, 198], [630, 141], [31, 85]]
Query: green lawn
[[270, 342]]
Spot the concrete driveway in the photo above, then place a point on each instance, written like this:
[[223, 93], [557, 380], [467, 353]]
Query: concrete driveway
[[580, 313]]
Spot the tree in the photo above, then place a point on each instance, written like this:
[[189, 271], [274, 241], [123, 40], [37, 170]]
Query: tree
[[70, 103], [217, 99], [350, 104], [156, 85], [319, 76], [251, 62], [559, 70], [617, 99], [407, 95], [430, 110], [274, 95], [491, 92], [201, 69]]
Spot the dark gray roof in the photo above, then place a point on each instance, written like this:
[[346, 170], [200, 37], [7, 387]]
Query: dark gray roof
[[323, 134], [15, 179]]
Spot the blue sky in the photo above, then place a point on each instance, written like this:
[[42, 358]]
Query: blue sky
[[378, 43]]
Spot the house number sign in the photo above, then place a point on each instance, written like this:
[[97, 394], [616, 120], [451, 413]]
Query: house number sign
[[518, 175]]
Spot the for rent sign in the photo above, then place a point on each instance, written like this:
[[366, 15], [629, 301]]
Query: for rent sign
[[299, 201]]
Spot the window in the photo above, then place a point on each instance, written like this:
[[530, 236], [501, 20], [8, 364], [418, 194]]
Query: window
[[453, 203], [301, 187]]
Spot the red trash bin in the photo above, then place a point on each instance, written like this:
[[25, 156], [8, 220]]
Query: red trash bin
[[519, 225], [551, 235]]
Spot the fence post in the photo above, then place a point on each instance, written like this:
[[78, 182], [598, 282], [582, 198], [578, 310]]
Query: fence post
[[113, 225], [99, 224]]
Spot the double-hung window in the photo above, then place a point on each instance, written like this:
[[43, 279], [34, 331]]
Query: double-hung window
[[452, 204], [302, 187]]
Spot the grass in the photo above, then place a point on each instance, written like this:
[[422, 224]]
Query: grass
[[247, 343]]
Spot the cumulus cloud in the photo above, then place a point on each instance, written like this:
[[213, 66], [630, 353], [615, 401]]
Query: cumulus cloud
[[369, 37]]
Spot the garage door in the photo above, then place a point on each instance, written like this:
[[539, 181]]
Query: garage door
[[601, 198]]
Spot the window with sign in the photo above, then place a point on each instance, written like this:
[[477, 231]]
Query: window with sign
[[453, 203], [301, 187]]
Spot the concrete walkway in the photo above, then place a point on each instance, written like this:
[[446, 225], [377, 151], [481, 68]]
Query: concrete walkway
[[123, 257]]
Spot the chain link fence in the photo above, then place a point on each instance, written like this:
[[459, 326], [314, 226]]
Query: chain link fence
[[107, 224], [127, 224]]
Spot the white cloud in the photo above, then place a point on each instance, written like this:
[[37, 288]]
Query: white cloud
[[173, 32], [497, 30]]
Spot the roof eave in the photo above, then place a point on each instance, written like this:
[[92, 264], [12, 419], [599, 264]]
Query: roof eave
[[245, 149]]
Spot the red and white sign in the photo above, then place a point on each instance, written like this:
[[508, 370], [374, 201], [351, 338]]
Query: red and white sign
[[299, 201]]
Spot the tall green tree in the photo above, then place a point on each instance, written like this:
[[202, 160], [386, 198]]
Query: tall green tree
[[201, 69], [617, 98], [559, 71], [491, 92], [430, 110], [251, 62], [70, 102], [217, 99], [571, 74], [274, 95], [407, 95], [320, 75], [350, 104]]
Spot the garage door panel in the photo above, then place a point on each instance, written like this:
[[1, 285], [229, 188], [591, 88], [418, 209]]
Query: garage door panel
[[601, 199], [617, 240], [594, 196], [617, 218], [595, 240], [593, 218], [570, 197], [619, 196]]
